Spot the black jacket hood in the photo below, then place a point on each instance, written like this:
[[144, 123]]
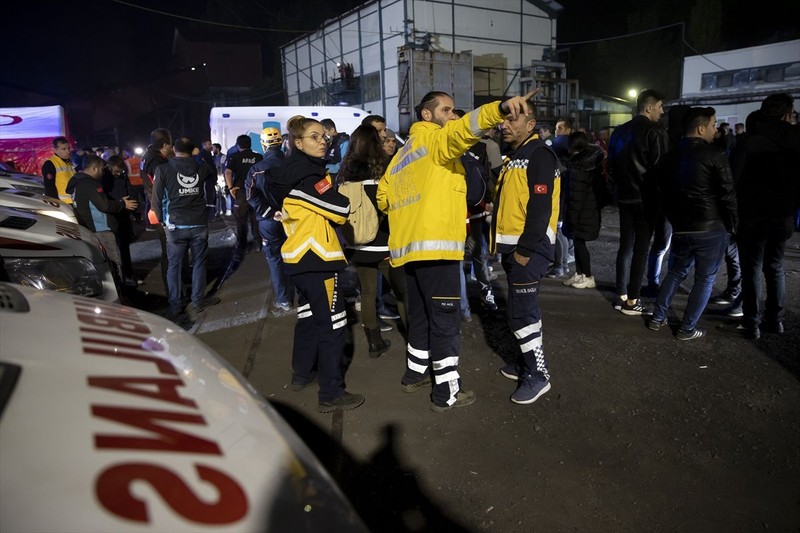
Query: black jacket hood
[[186, 166], [78, 177]]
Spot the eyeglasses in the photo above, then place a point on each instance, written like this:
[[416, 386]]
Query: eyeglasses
[[316, 137]]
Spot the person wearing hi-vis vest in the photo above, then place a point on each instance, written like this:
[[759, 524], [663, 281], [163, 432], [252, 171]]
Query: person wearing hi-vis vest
[[424, 192], [58, 170]]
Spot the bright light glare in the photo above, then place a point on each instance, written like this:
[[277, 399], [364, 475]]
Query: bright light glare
[[138, 150], [633, 93]]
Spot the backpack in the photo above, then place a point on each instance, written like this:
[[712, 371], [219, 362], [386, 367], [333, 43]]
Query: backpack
[[362, 223]]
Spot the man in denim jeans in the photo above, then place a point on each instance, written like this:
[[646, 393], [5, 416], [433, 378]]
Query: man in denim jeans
[[699, 200], [182, 190]]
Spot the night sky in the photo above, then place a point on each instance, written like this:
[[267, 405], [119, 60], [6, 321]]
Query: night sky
[[75, 49]]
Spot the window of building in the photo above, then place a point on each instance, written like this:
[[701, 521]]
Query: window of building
[[749, 77], [371, 87]]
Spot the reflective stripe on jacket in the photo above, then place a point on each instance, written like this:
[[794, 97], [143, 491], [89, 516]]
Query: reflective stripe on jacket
[[64, 171], [424, 190], [527, 201]]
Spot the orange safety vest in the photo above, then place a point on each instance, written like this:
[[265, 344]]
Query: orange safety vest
[[134, 174]]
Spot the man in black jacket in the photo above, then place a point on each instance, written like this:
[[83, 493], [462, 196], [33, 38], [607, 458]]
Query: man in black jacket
[[236, 169], [635, 148], [699, 201], [765, 168], [95, 209], [181, 192]]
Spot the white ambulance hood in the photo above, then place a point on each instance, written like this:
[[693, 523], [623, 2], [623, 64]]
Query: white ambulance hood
[[120, 421]]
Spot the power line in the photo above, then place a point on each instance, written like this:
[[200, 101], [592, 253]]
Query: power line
[[207, 21], [626, 35]]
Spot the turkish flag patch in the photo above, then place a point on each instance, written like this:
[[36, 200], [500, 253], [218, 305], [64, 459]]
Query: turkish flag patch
[[540, 188], [322, 185]]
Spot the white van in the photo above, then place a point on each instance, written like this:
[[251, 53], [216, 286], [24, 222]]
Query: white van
[[33, 202], [227, 123]]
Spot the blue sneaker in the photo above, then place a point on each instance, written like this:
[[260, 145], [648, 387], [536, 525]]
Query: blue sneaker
[[529, 391], [510, 371]]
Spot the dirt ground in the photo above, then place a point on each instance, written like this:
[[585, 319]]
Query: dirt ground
[[640, 432]]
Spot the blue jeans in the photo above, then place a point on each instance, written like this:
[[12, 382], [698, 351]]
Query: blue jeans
[[704, 250], [272, 238], [178, 241], [660, 247], [561, 258], [635, 230], [762, 244]]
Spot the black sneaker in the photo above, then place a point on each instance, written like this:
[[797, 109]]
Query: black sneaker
[[414, 387], [207, 302], [487, 299], [654, 324], [297, 385], [383, 326], [463, 399], [634, 309], [385, 313], [723, 299], [689, 335], [617, 304], [345, 402]]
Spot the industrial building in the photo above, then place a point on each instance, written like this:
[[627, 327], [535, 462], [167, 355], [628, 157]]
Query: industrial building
[[386, 54]]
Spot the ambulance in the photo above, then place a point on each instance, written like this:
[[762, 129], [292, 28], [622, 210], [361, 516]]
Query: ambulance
[[114, 419], [44, 252]]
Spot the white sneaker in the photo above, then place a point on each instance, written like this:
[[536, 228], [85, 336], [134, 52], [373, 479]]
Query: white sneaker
[[586, 283], [576, 278], [228, 213]]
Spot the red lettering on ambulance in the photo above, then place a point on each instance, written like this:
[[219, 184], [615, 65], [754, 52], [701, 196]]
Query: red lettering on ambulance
[[164, 439], [113, 489], [111, 324], [164, 366], [165, 389]]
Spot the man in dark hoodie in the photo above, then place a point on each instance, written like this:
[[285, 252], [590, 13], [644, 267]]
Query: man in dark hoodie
[[181, 192], [765, 171], [96, 210]]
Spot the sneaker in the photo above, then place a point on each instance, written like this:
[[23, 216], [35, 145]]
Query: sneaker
[[466, 316], [414, 387], [298, 385], [529, 391], [228, 213], [734, 311], [207, 302], [463, 399], [345, 402], [357, 305], [487, 299], [689, 335], [574, 279], [655, 325], [634, 309], [383, 326], [556, 273], [181, 320], [753, 333], [723, 299], [282, 309], [586, 283], [385, 314], [510, 371], [618, 303]]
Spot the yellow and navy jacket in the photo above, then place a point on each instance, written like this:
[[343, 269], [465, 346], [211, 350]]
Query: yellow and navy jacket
[[527, 201], [310, 210], [56, 187], [424, 192]]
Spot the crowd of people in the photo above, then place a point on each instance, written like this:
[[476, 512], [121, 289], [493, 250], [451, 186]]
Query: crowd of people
[[490, 182]]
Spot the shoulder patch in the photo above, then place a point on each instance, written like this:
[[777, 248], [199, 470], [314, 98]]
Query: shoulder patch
[[322, 185], [540, 188]]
